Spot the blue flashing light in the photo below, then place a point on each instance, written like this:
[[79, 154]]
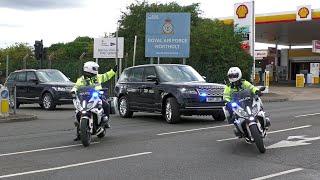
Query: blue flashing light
[[234, 104], [203, 94], [95, 95]]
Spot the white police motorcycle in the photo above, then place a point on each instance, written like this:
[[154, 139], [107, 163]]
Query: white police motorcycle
[[88, 104], [250, 117]]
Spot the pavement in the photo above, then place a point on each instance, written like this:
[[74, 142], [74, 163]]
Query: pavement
[[146, 147], [11, 117], [296, 94]]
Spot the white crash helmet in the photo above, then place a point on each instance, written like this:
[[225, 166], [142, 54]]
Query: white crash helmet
[[91, 67], [234, 74]]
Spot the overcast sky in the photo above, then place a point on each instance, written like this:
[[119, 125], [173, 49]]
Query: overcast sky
[[63, 20]]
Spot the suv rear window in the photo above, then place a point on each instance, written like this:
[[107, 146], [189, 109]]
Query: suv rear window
[[136, 74], [21, 76], [149, 71]]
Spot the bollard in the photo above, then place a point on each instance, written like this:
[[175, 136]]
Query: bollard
[[15, 100]]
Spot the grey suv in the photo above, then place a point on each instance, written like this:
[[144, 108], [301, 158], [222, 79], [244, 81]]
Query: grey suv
[[170, 89]]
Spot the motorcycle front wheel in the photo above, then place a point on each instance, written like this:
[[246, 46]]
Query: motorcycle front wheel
[[85, 134], [257, 138]]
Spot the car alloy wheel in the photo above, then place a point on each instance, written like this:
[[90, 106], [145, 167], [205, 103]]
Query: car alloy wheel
[[123, 106], [168, 111], [46, 102]]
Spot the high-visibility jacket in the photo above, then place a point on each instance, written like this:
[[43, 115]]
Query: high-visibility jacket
[[94, 81], [228, 91]]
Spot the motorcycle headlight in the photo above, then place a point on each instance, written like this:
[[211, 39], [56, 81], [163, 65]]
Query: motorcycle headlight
[[90, 105], [59, 88], [188, 91], [77, 104], [241, 112], [255, 109]]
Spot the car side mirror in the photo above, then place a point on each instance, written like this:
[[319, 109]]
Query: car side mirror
[[204, 77], [152, 78], [262, 88]]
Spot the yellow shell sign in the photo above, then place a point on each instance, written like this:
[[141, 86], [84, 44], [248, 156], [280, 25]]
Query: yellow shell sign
[[242, 11], [303, 12]]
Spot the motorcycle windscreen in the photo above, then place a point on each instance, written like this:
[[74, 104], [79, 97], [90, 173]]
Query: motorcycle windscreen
[[243, 98], [85, 93]]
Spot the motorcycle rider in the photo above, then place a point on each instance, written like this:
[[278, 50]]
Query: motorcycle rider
[[236, 84], [92, 78]]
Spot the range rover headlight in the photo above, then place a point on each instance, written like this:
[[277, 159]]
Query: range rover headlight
[[188, 91], [59, 88]]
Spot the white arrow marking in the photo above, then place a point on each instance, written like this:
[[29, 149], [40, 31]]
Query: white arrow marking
[[285, 143], [296, 137]]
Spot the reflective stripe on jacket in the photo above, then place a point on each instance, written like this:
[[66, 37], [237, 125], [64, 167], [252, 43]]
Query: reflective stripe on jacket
[[94, 81], [228, 91]]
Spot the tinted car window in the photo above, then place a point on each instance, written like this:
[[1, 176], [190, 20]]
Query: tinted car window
[[149, 71], [21, 76], [136, 75], [51, 76], [31, 75], [178, 74], [12, 76], [124, 76]]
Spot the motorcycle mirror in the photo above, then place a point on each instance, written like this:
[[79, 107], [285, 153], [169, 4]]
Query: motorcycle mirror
[[262, 88]]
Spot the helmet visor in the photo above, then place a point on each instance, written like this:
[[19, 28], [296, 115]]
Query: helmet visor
[[233, 75]]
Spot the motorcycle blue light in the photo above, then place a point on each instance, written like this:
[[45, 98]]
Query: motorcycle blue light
[[95, 95], [203, 94], [234, 104]]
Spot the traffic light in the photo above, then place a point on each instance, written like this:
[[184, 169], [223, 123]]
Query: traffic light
[[38, 49]]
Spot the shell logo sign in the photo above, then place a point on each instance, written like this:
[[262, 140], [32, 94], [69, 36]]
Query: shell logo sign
[[303, 12], [242, 11]]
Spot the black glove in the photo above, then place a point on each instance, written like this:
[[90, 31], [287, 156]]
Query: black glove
[[259, 93], [115, 68]]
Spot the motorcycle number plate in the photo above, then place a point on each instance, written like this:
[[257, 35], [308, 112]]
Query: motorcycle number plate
[[213, 99]]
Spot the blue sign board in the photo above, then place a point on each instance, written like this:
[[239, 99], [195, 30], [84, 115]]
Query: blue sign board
[[167, 35]]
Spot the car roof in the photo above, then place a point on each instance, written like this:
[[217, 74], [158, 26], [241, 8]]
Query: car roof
[[34, 70], [154, 65]]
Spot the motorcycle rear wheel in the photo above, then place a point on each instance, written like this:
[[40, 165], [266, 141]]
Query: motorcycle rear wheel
[[257, 138], [85, 134]]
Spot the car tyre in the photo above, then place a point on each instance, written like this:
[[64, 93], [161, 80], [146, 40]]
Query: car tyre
[[47, 102], [219, 116], [124, 109], [171, 111]]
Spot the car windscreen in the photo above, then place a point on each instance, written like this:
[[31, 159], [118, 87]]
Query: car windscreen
[[178, 74], [52, 76]]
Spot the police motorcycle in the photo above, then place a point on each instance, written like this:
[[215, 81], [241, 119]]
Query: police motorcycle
[[250, 117], [88, 103]]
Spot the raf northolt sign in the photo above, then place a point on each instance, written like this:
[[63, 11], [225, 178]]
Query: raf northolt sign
[[167, 35]]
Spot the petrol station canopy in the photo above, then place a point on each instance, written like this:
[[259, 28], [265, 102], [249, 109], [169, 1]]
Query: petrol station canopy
[[283, 28]]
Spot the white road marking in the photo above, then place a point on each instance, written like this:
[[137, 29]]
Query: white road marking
[[278, 174], [271, 132], [190, 130], [72, 165], [44, 149], [294, 141], [305, 115]]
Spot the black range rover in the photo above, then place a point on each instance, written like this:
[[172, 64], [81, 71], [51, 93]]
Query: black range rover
[[47, 87], [169, 89]]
